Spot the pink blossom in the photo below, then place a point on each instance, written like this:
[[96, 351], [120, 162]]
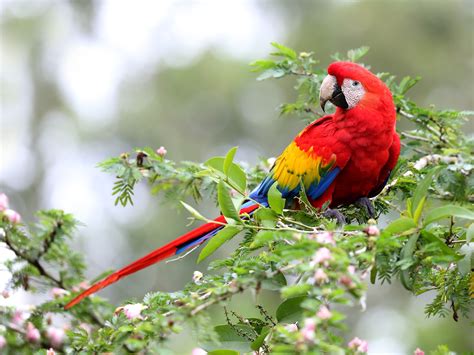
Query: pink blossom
[[55, 336], [50, 351], [3, 341], [13, 216], [347, 281], [320, 276], [324, 313], [5, 294], [291, 327], [358, 345], [325, 238], [322, 256], [161, 151], [351, 269], [198, 351], [57, 292], [308, 329], [3, 202], [84, 285], [372, 230], [132, 311], [32, 333], [418, 351], [18, 318]]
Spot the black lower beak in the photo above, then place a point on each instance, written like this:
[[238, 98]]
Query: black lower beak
[[338, 99]]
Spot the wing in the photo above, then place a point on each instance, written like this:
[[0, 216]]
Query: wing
[[309, 159]]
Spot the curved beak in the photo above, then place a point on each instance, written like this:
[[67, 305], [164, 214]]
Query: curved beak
[[331, 91]]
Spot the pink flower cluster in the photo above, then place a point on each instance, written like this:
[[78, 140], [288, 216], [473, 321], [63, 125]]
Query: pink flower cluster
[[322, 256], [358, 345], [13, 216], [131, 311], [308, 329]]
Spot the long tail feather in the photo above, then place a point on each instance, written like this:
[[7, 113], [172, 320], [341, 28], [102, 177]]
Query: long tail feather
[[186, 241]]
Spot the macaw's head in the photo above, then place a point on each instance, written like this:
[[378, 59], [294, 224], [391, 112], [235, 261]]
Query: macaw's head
[[349, 85]]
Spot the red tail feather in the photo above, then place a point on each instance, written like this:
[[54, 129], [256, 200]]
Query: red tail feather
[[154, 257]]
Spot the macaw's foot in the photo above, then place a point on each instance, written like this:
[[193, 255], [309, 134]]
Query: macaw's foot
[[367, 204], [333, 213]]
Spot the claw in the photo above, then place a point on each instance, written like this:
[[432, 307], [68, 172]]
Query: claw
[[367, 204], [333, 213]]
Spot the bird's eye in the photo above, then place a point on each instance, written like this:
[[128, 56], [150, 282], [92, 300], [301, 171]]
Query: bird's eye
[[355, 83]]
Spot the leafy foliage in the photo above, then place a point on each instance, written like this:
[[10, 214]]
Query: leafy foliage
[[313, 265]]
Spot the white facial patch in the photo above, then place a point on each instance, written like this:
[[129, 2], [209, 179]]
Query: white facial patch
[[353, 92]]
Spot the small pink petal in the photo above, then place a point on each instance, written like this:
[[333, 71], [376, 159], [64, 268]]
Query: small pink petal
[[32, 333], [13, 216], [198, 351], [55, 336], [133, 311], [320, 276], [325, 238], [418, 351], [372, 230], [324, 313], [161, 151], [50, 351]]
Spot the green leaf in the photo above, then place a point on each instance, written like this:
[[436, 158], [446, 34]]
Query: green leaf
[[225, 202], [276, 283], [355, 54], [223, 352], [230, 339], [419, 209], [373, 274], [290, 310], [422, 190], [225, 234], [257, 343], [266, 217], [235, 174], [284, 51], [407, 255], [271, 73], [276, 202], [194, 212], [400, 225], [447, 211], [262, 64], [228, 160]]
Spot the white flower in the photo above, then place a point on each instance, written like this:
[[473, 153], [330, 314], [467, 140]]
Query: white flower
[[197, 276]]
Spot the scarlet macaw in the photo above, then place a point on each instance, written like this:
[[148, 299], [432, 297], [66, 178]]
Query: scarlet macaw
[[339, 158]]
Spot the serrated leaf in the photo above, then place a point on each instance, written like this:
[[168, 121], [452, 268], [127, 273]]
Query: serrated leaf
[[225, 234], [447, 211], [276, 202]]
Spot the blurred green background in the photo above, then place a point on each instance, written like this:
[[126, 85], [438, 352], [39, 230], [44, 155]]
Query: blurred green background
[[85, 80]]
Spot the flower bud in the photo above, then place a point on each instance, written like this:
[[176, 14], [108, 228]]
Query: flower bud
[[161, 151], [308, 329], [372, 230], [358, 345], [13, 216], [320, 276], [57, 292], [32, 333], [324, 313], [322, 256], [197, 276], [291, 327], [418, 351], [55, 336], [50, 351]]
